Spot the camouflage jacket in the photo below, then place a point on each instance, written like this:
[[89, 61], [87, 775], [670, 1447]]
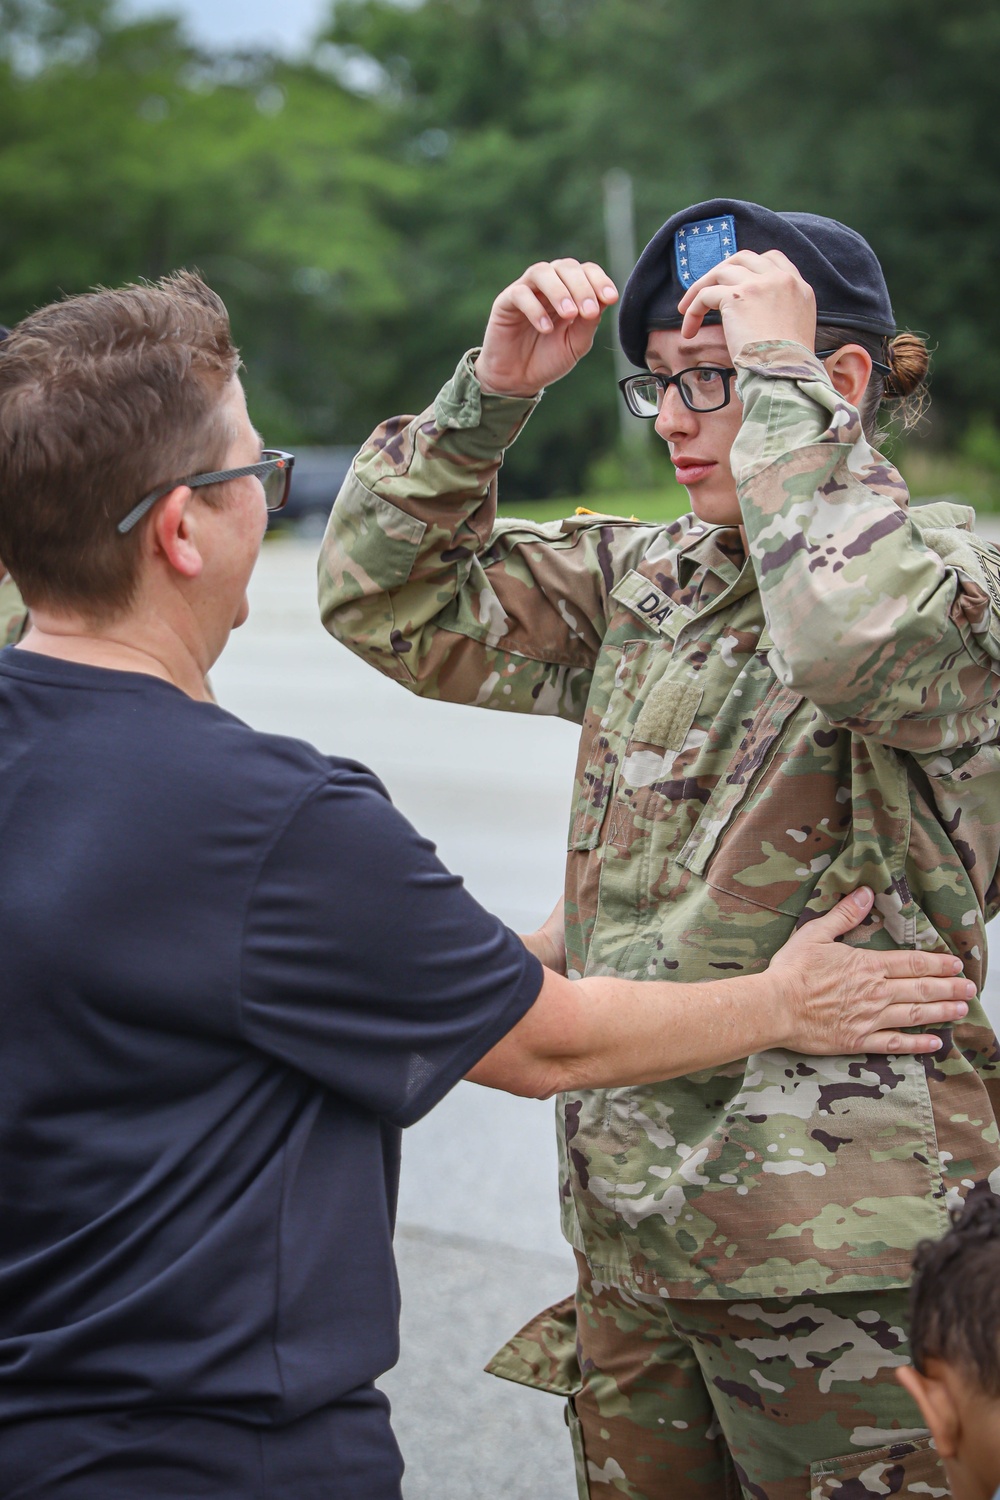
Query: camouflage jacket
[[13, 612], [759, 736]]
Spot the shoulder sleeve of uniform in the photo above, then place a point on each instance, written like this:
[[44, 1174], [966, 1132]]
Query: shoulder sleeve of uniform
[[947, 530]]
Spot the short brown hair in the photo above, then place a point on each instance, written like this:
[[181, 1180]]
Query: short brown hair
[[102, 398]]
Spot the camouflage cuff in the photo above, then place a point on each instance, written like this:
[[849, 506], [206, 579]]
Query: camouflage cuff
[[462, 403], [780, 359]]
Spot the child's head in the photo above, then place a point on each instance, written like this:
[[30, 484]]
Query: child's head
[[955, 1346]]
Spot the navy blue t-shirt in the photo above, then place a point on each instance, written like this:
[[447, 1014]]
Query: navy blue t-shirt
[[230, 971]]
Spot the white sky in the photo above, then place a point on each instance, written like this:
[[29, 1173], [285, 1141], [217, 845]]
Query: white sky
[[285, 25]]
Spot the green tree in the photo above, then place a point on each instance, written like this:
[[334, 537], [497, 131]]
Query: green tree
[[127, 153], [359, 211], [878, 112]]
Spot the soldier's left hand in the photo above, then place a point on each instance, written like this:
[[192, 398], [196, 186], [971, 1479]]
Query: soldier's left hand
[[758, 296]]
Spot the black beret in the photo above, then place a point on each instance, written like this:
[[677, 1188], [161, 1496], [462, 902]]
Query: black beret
[[838, 263]]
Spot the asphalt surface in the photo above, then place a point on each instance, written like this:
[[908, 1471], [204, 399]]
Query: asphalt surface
[[478, 1243]]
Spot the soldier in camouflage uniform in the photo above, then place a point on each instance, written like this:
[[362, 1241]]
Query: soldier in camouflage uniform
[[786, 693]]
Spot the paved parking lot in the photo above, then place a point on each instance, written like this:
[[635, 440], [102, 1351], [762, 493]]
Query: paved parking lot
[[478, 1244]]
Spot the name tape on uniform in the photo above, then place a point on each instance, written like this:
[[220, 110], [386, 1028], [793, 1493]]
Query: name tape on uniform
[[651, 604]]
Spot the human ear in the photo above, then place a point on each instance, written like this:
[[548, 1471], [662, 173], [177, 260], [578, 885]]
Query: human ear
[[173, 533], [850, 369], [937, 1406]]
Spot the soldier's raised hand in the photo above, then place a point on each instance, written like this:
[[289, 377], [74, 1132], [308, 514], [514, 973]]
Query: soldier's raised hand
[[757, 296], [541, 325]]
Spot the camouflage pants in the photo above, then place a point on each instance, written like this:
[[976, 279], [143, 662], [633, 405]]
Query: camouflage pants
[[780, 1399]]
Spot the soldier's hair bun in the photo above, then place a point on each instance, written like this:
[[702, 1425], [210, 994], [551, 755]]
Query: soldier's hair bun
[[909, 359]]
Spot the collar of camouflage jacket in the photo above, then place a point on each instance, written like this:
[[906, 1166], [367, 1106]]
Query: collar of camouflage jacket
[[719, 548]]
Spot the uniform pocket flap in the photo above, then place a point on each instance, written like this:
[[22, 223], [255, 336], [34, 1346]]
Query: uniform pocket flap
[[543, 1354], [368, 539], [744, 770]]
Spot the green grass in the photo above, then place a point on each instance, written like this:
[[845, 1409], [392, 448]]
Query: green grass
[[642, 505], [929, 475]]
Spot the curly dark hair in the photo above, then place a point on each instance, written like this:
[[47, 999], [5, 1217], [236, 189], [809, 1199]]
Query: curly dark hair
[[955, 1297]]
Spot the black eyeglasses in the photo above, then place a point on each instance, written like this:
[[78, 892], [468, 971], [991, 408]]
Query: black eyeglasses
[[274, 472], [701, 388]]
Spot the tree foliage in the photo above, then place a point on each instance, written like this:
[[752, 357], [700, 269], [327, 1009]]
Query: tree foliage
[[877, 112], [126, 152], [360, 210]]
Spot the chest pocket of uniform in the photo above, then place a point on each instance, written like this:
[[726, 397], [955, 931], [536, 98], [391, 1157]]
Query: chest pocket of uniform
[[776, 817], [647, 720]]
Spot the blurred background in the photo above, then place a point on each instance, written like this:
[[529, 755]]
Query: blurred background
[[358, 180]]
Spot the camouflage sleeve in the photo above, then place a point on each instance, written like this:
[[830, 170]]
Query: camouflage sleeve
[[417, 576], [13, 611], [888, 621]]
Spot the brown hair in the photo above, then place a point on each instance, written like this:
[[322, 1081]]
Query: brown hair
[[102, 398], [908, 360]]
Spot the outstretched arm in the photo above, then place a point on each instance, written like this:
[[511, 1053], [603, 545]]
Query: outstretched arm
[[818, 996]]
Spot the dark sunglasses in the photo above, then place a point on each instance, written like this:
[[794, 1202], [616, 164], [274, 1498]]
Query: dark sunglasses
[[274, 472]]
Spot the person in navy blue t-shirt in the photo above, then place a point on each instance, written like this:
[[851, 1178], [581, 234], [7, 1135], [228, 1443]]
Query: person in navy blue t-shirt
[[232, 971]]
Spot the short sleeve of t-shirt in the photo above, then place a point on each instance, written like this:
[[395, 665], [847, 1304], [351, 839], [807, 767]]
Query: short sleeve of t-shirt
[[366, 964]]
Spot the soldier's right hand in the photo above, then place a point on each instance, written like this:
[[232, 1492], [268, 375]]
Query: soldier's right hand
[[842, 1000], [541, 325]]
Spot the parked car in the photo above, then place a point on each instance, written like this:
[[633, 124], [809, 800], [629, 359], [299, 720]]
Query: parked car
[[316, 478]]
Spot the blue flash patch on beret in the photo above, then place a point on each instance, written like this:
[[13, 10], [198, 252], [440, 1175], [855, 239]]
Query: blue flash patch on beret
[[699, 247]]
